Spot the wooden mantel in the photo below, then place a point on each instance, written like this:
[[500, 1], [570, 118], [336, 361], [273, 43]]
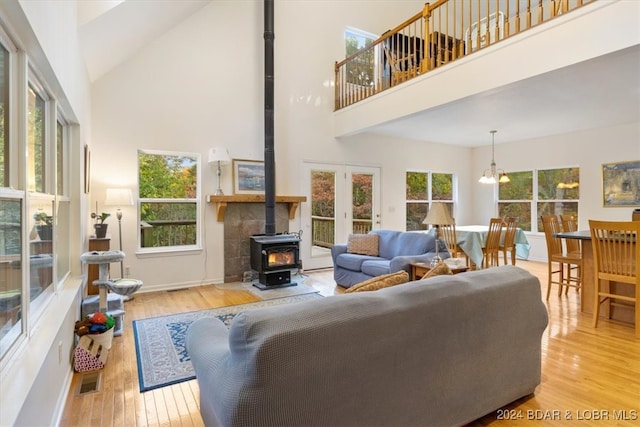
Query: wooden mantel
[[221, 202]]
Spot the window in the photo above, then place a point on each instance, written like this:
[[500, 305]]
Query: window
[[11, 227], [553, 192], [422, 188], [361, 71], [61, 149], [169, 202], [4, 116], [36, 151]]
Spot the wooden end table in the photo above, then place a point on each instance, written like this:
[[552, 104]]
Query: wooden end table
[[419, 269]]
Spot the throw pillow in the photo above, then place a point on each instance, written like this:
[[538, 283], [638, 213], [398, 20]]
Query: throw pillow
[[384, 281], [363, 244], [438, 270]]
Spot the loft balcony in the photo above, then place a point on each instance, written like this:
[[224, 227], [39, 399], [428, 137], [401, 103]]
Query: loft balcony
[[456, 49]]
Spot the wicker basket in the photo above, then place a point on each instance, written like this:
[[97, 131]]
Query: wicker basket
[[104, 339]]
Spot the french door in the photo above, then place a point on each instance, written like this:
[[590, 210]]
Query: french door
[[342, 199]]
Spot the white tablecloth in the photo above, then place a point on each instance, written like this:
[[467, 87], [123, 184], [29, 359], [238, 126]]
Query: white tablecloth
[[472, 238]]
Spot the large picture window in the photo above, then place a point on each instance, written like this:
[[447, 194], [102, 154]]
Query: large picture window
[[531, 194], [422, 188], [168, 185]]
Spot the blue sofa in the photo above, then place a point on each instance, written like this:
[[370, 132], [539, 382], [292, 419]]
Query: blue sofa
[[437, 352], [396, 251]]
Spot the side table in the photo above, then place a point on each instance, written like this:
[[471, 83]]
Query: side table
[[419, 269]]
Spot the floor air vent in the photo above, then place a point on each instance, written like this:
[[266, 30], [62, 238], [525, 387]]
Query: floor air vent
[[89, 383]]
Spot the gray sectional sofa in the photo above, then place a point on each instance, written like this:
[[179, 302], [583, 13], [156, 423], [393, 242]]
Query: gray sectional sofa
[[437, 352], [396, 251]]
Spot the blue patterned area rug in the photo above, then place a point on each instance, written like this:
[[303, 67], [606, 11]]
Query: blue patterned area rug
[[160, 341]]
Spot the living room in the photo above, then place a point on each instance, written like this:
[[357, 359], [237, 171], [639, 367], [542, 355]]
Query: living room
[[194, 86]]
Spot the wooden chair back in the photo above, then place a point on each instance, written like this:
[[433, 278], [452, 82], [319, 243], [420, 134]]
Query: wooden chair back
[[510, 234], [615, 250], [616, 258], [509, 241], [551, 226], [448, 232], [570, 223], [492, 244]]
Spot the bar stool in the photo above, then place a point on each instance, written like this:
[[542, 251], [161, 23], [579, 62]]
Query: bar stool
[[556, 254], [616, 256], [573, 246]]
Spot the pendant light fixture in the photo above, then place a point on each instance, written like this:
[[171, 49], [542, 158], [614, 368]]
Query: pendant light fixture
[[493, 175]]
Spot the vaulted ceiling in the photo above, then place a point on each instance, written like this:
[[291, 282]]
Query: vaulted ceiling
[[601, 92]]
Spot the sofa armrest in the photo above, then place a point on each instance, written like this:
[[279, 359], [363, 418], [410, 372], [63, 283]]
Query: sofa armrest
[[207, 343], [338, 249]]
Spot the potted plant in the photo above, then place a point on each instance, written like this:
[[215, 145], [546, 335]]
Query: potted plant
[[44, 225], [100, 226]]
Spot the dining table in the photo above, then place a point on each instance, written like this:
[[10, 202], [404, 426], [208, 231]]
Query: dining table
[[472, 239]]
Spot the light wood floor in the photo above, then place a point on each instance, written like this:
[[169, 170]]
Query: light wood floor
[[591, 376]]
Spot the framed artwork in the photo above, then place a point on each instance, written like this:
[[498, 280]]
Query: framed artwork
[[87, 169], [621, 184], [248, 176]]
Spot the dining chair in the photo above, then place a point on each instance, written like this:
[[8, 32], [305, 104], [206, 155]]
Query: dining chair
[[492, 244], [556, 255], [509, 242], [448, 232], [573, 246], [616, 259]]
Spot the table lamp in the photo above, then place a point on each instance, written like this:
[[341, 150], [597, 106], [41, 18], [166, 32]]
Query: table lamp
[[438, 215], [219, 155]]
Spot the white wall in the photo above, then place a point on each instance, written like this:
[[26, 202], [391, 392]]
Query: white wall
[[202, 85]]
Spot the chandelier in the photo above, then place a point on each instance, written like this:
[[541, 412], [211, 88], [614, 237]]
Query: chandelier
[[493, 175]]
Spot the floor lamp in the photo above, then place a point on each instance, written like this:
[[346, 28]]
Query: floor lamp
[[119, 197], [438, 215]]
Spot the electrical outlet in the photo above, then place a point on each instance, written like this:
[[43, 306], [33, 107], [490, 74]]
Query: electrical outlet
[[127, 271]]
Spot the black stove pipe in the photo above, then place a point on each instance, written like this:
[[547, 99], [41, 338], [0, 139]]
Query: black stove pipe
[[269, 158]]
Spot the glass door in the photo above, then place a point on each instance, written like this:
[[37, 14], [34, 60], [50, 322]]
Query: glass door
[[342, 200]]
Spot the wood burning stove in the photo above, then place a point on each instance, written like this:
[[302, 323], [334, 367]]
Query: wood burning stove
[[273, 257]]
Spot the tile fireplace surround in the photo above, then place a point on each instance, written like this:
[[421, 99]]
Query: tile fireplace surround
[[241, 221]]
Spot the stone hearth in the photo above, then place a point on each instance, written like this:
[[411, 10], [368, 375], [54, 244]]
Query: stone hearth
[[241, 221]]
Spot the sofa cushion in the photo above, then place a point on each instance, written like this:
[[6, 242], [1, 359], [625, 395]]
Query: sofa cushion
[[363, 244], [380, 282], [395, 243], [439, 270], [376, 267], [354, 262]]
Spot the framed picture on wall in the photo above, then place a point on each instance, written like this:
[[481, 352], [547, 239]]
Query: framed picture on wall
[[621, 184], [248, 176]]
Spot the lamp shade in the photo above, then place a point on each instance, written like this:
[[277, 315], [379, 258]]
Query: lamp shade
[[119, 197], [219, 154], [438, 215]]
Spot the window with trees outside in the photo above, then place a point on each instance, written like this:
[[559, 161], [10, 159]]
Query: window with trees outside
[[169, 201], [360, 72], [531, 194], [422, 188]]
